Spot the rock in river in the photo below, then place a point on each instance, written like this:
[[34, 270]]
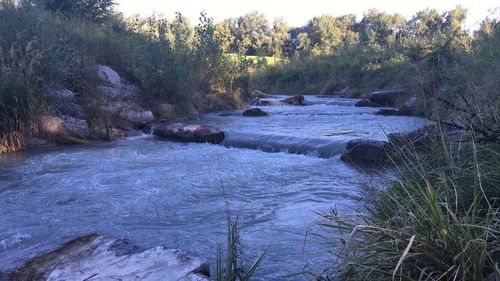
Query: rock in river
[[295, 100], [389, 97], [366, 152], [366, 103], [94, 257], [388, 112], [189, 133], [254, 112]]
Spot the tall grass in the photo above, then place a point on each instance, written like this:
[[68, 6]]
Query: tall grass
[[17, 102], [230, 266], [440, 221], [17, 98]]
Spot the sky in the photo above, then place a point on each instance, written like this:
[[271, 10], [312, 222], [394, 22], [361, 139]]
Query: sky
[[298, 12]]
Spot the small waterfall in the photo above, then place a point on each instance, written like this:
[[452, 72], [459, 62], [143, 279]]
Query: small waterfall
[[318, 147]]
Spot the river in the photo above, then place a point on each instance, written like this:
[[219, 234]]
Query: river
[[276, 171]]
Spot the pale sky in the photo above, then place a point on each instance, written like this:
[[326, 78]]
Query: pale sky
[[298, 12]]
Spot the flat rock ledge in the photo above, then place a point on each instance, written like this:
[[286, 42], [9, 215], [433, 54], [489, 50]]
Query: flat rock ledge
[[95, 257], [189, 133]]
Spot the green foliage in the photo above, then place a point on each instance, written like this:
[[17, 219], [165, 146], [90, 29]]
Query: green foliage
[[253, 33], [19, 59], [439, 222], [170, 60], [280, 38], [17, 104], [95, 11]]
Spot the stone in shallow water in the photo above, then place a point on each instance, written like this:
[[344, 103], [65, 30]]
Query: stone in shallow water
[[388, 112], [254, 112], [366, 152], [366, 103], [389, 97], [94, 257], [295, 100], [189, 133]]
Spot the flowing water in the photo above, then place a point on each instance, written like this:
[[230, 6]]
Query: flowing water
[[278, 171]]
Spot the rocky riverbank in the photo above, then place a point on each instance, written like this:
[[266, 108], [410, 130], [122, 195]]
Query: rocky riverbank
[[95, 257], [114, 109]]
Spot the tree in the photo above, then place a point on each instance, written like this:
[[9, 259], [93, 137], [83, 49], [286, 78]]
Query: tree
[[323, 34], [208, 51], [95, 11], [347, 24], [280, 38], [380, 30], [426, 23], [223, 34], [303, 43], [329, 34], [253, 33]]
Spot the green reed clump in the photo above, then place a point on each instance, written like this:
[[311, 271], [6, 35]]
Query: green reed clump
[[230, 266], [16, 105], [440, 221]]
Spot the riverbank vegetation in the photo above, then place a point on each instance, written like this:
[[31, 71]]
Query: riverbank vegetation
[[49, 45], [439, 221]]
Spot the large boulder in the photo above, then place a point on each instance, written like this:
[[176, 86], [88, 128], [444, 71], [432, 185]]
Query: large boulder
[[366, 152], [136, 115], [254, 112], [366, 103], [189, 133], [295, 100], [63, 101], [122, 92], [64, 129], [389, 97], [108, 76], [69, 108], [94, 257]]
